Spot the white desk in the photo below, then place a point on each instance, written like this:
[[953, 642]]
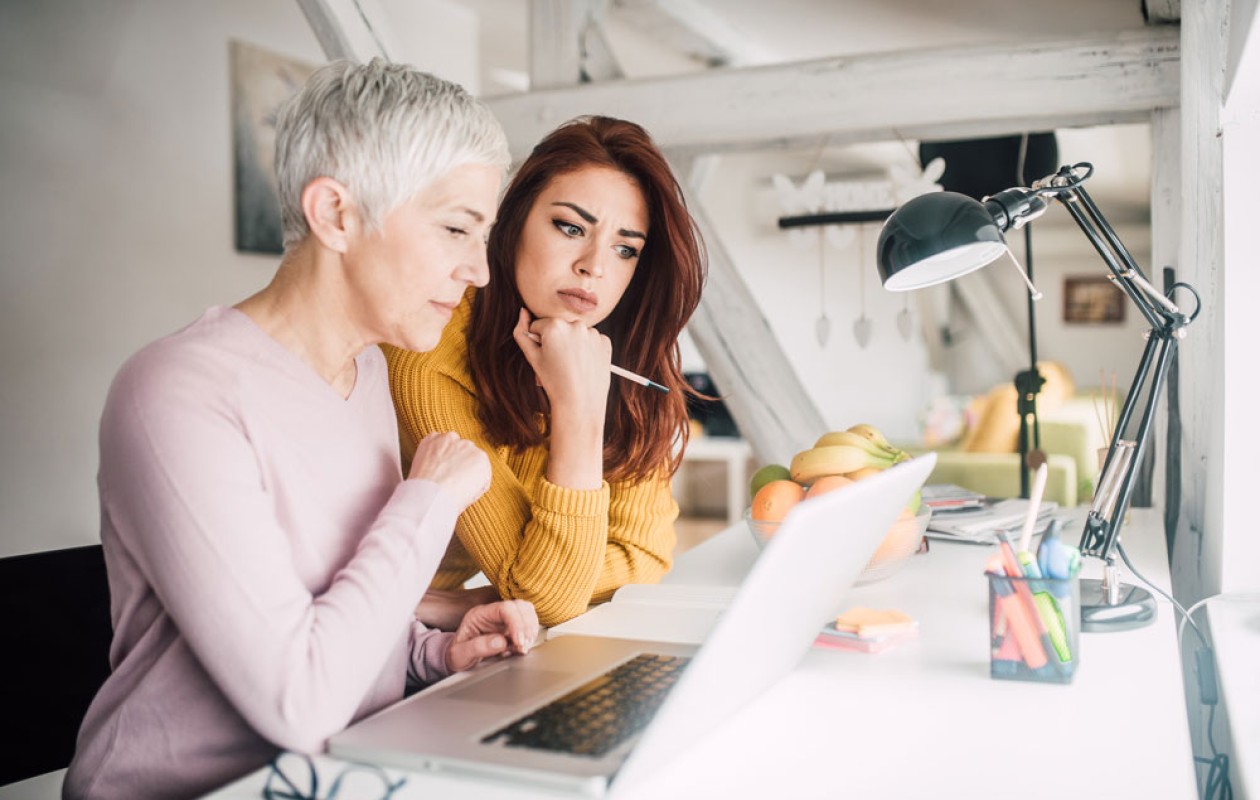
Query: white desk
[[925, 719]]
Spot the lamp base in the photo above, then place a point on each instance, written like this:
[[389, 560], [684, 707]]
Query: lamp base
[[1134, 607]]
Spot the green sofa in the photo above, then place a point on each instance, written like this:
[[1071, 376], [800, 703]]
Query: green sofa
[[1071, 438]]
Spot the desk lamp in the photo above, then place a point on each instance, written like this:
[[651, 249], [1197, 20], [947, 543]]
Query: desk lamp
[[938, 237]]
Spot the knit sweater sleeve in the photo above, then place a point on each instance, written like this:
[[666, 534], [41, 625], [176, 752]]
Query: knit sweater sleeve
[[559, 548]]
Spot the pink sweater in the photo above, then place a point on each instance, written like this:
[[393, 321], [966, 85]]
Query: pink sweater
[[264, 559]]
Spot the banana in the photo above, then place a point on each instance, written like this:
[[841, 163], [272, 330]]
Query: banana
[[809, 465], [855, 440], [872, 433]]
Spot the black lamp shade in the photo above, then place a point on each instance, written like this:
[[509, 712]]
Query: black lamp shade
[[935, 238]]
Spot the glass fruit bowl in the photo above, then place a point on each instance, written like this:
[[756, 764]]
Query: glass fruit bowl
[[902, 541]]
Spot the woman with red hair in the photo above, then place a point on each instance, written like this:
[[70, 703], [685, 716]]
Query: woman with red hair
[[594, 261]]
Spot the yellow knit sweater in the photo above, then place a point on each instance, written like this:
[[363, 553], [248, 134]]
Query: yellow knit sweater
[[561, 549]]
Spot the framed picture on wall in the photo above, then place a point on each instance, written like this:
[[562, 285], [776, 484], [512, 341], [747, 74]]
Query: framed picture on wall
[[261, 82], [1092, 300]]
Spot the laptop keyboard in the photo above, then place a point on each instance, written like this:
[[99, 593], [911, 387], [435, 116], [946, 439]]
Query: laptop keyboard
[[600, 714]]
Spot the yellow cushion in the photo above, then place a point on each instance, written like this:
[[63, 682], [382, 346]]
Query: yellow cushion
[[1058, 388], [997, 423], [997, 418]]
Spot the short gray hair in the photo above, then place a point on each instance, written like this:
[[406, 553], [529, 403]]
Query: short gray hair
[[382, 130]]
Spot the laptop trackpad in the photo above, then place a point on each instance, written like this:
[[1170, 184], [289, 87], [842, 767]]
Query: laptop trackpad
[[509, 685]]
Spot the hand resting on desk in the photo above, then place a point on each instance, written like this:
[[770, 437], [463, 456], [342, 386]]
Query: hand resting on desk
[[508, 627]]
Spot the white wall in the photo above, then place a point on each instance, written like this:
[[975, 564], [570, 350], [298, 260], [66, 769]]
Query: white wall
[[115, 158]]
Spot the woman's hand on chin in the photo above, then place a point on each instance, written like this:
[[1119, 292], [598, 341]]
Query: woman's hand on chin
[[570, 361]]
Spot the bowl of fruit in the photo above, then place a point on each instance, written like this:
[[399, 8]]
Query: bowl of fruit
[[839, 459]]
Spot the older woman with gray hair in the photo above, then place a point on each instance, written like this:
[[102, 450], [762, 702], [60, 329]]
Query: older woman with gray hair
[[265, 552]]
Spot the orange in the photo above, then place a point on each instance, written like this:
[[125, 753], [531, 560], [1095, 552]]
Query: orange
[[828, 483], [901, 540], [770, 472], [774, 500]]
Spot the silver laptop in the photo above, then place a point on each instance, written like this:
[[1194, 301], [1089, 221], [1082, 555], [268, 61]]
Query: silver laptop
[[589, 713]]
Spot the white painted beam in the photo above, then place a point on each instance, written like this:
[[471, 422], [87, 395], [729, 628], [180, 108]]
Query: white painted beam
[[1242, 61], [1161, 12], [944, 93], [352, 29], [1007, 342], [555, 57], [567, 46], [766, 398], [598, 61], [1206, 449], [1165, 240], [692, 29]]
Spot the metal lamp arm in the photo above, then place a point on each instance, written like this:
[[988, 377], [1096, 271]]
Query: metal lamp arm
[[1115, 487], [1123, 269]]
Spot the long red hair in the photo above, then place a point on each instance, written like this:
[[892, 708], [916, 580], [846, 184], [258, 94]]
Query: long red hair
[[641, 424]]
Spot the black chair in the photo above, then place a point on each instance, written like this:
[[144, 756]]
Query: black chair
[[54, 613]]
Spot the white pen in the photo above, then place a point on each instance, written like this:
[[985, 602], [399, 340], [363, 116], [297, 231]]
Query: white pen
[[625, 373], [631, 376], [1034, 506]]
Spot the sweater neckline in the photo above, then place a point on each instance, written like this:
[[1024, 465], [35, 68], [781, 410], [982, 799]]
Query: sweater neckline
[[289, 361]]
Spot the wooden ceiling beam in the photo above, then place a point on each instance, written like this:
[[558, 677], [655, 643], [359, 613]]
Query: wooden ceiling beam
[[693, 29], [567, 44], [956, 92], [356, 30]]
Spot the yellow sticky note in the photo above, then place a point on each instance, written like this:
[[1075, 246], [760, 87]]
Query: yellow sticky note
[[866, 620]]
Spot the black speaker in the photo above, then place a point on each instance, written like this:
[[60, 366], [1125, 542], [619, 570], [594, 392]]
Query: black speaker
[[982, 167], [713, 415]]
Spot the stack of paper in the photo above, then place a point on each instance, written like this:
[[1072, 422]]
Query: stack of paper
[[868, 630], [949, 497], [980, 525]]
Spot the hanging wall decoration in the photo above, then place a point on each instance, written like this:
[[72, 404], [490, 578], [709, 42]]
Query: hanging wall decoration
[[822, 328], [812, 197], [803, 199], [905, 320], [834, 208], [862, 325]]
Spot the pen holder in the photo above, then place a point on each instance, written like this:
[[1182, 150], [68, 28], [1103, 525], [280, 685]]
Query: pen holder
[[1034, 628]]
